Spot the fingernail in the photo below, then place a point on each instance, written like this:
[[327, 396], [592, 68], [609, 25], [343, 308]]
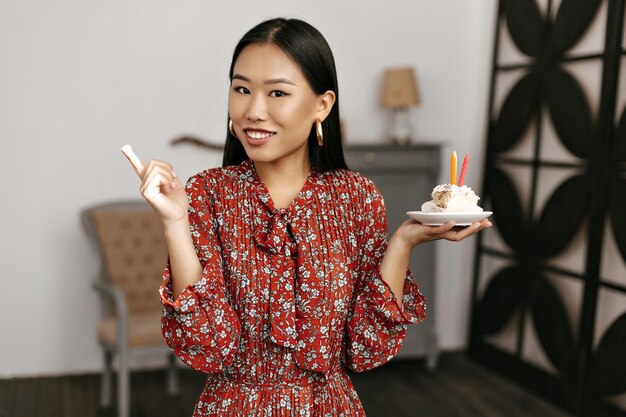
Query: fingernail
[[174, 174]]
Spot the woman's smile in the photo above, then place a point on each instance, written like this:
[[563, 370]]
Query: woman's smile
[[257, 137]]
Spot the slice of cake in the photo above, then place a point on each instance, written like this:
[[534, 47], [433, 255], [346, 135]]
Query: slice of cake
[[450, 198]]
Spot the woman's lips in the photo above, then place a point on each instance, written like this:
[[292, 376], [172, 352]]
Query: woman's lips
[[258, 137]]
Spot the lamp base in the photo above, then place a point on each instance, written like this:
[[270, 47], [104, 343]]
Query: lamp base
[[401, 129], [402, 141]]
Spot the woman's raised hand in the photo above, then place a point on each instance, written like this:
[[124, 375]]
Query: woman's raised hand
[[413, 233], [160, 187]]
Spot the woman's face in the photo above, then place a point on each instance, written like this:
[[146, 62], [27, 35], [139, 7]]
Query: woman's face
[[272, 106]]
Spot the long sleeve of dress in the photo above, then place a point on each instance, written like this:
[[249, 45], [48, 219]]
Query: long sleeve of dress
[[201, 326], [376, 326]]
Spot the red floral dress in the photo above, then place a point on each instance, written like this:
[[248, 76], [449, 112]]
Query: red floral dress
[[288, 297]]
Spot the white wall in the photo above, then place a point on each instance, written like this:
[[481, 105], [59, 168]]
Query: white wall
[[78, 79]]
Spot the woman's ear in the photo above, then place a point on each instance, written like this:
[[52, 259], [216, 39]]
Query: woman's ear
[[325, 105]]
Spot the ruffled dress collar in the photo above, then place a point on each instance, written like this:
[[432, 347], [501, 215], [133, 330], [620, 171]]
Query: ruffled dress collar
[[275, 234]]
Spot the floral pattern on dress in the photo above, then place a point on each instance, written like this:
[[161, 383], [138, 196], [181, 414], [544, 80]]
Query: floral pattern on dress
[[289, 297]]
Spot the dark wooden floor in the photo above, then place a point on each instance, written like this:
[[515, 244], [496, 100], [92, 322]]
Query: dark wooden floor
[[459, 388]]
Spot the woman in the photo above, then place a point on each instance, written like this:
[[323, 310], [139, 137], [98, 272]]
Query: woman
[[279, 273]]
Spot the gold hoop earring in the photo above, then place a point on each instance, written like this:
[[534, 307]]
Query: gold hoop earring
[[320, 133], [230, 127]]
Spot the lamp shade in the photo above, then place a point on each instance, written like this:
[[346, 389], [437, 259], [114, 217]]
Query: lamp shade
[[399, 88]]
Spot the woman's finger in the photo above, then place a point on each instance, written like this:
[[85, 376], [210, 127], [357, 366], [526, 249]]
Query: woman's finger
[[134, 160], [154, 167], [164, 167], [156, 182], [439, 230], [458, 235]]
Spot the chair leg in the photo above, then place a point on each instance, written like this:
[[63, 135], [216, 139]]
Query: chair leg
[[172, 376], [106, 380], [123, 385]]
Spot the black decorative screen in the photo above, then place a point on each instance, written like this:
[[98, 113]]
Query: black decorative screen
[[549, 289]]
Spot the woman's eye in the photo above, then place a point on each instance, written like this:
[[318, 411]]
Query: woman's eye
[[278, 93], [241, 90]]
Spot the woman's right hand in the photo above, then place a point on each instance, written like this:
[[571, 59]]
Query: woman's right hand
[[164, 192], [162, 189]]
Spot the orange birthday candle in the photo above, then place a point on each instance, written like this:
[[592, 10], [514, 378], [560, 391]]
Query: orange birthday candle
[[453, 168]]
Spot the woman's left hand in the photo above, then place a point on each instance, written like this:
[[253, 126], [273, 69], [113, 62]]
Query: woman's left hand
[[411, 233]]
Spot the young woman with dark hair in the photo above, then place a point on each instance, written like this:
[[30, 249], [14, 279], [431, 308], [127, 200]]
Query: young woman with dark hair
[[308, 49], [280, 274]]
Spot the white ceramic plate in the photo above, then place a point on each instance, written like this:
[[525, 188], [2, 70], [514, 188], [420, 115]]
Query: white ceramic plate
[[437, 219]]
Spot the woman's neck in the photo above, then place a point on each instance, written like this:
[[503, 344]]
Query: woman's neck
[[283, 173], [283, 180]]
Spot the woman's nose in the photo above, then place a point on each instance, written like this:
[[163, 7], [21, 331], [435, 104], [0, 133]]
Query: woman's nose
[[256, 108]]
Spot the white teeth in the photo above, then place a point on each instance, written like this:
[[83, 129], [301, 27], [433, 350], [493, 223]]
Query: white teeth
[[259, 135]]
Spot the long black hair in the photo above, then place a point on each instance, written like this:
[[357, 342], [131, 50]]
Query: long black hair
[[306, 46]]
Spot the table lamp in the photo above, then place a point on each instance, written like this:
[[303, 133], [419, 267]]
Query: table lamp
[[399, 91]]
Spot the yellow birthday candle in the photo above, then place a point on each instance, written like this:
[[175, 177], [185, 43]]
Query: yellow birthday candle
[[453, 168]]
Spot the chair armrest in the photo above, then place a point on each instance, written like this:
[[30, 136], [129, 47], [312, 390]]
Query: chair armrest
[[121, 309]]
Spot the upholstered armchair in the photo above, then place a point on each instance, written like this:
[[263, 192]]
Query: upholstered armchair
[[128, 237]]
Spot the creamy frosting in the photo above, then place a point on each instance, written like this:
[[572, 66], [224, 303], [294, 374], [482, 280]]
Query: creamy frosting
[[450, 198]]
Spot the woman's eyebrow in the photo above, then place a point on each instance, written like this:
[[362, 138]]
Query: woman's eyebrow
[[272, 81], [279, 81]]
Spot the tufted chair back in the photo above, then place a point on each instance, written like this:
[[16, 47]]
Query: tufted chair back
[[128, 236], [134, 253]]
